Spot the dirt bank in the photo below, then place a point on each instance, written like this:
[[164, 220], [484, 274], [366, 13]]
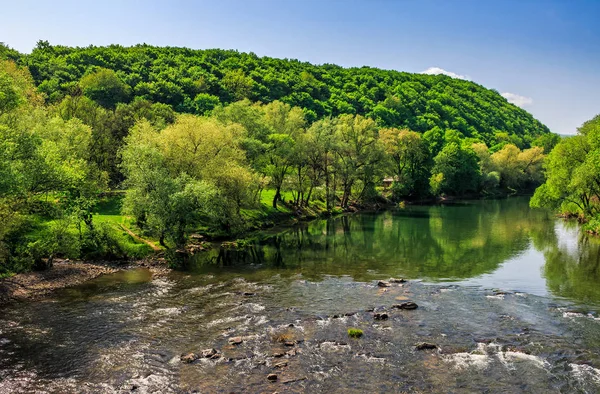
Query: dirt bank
[[35, 285]]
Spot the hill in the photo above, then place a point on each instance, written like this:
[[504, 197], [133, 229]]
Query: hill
[[195, 81]]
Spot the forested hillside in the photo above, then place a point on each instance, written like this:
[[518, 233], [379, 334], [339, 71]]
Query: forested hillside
[[196, 81], [115, 152]]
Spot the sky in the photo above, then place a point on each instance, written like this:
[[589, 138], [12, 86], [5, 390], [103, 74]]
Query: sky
[[541, 55]]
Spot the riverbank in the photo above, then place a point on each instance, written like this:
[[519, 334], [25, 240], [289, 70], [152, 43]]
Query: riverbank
[[35, 285]]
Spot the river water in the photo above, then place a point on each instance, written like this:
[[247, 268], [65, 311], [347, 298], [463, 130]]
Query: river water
[[509, 296]]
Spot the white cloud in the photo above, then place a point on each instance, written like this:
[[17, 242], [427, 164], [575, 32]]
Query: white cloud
[[438, 70], [518, 100]]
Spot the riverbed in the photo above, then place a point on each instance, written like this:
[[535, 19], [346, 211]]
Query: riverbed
[[508, 301]]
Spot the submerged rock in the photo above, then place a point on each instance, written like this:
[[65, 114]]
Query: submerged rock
[[281, 364], [210, 353], [406, 305], [380, 316], [272, 377], [235, 340], [189, 358], [426, 346]]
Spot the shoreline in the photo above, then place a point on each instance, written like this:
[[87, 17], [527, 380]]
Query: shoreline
[[36, 285]]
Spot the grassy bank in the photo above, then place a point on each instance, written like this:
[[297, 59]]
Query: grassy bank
[[116, 236]]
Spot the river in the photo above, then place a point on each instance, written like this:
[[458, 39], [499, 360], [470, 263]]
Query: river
[[508, 295]]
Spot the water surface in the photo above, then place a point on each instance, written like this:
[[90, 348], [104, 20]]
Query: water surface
[[509, 295]]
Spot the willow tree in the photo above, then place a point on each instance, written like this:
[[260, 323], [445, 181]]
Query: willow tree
[[408, 156], [358, 154]]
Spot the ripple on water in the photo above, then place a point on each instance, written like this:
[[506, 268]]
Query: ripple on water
[[584, 373], [486, 354]]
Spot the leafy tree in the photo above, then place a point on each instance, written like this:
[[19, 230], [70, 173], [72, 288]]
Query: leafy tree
[[456, 171], [573, 173], [358, 154], [409, 158], [105, 87]]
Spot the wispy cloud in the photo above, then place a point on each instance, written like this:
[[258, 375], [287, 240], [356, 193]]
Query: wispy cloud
[[438, 70], [516, 99]]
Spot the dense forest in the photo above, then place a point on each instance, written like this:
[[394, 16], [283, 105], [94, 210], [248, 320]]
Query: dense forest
[[110, 152]]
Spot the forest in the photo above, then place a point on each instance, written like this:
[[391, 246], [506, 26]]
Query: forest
[[115, 152]]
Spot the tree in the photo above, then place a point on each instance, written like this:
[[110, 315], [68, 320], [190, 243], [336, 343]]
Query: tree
[[286, 124], [455, 171], [573, 173], [167, 204], [409, 156], [105, 87], [357, 154]]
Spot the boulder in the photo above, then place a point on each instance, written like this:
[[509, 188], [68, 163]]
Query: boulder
[[380, 316], [406, 305]]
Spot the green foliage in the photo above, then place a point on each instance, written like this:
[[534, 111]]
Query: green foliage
[[355, 333], [573, 174], [456, 171], [175, 76], [105, 87], [306, 138]]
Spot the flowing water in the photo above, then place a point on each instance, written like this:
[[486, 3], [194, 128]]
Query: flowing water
[[508, 295]]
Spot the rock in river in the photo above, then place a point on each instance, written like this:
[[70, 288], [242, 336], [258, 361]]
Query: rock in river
[[393, 280], [189, 358], [406, 305], [383, 283], [272, 377], [235, 340], [425, 346], [210, 353], [380, 316]]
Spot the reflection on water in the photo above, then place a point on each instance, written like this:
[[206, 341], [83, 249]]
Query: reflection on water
[[495, 244], [125, 332]]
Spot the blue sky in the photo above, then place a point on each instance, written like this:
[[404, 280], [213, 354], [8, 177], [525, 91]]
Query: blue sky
[[545, 55]]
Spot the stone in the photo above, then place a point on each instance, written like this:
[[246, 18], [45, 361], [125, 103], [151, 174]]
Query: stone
[[278, 355], [425, 346], [406, 305], [209, 353], [189, 358], [393, 280], [292, 352], [290, 343], [272, 377], [380, 316], [383, 283], [235, 340], [280, 365]]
